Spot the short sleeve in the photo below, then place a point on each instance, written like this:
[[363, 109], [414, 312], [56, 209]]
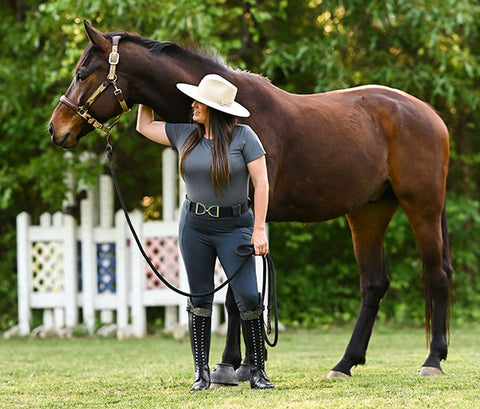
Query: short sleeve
[[177, 134], [253, 147]]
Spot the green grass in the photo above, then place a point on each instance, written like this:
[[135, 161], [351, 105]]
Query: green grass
[[157, 373]]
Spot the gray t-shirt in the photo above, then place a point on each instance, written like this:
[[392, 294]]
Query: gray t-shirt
[[244, 148]]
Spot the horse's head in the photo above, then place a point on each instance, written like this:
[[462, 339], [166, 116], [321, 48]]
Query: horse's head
[[94, 96]]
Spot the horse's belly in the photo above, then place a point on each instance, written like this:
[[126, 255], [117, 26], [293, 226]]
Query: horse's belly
[[325, 200]]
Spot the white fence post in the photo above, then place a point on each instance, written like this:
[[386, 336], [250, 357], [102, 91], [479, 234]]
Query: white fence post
[[89, 264], [59, 312], [70, 251], [169, 171], [137, 279], [23, 273], [122, 262], [70, 266]]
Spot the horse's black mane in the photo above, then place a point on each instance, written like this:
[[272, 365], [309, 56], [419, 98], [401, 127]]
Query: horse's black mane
[[157, 48]]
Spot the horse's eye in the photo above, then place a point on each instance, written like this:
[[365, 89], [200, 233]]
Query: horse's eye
[[81, 75]]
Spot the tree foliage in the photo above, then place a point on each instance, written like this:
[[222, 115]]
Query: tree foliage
[[428, 48]]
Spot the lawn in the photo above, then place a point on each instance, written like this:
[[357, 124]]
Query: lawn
[[157, 372]]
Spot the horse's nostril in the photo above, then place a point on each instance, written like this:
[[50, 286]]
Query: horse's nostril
[[51, 130]]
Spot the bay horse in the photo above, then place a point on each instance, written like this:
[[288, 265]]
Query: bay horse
[[360, 152]]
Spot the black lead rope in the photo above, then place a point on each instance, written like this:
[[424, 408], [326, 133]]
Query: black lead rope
[[244, 250], [270, 277]]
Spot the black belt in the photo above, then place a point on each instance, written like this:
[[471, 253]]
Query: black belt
[[217, 211]]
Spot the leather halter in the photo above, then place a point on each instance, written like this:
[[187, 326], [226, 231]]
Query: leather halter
[[113, 59]]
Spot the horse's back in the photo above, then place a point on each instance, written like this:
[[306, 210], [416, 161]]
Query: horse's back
[[379, 103], [379, 121]]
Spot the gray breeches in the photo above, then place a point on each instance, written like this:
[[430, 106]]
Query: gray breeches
[[204, 238]]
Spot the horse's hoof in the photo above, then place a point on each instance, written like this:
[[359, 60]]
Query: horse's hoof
[[337, 374], [243, 373], [223, 375], [430, 371], [214, 385]]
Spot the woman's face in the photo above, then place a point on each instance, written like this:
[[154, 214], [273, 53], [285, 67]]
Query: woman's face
[[200, 112]]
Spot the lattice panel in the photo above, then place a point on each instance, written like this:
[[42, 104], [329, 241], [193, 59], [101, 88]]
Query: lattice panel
[[164, 253], [106, 268], [47, 267]]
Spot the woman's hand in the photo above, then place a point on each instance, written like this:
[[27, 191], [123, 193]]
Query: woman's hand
[[260, 242]]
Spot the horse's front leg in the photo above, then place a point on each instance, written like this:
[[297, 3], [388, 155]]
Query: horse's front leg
[[232, 353], [224, 373], [357, 347]]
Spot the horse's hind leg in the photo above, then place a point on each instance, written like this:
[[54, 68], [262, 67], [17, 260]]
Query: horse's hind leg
[[430, 229], [368, 225], [417, 167]]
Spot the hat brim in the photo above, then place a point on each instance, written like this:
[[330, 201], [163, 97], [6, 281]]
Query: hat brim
[[235, 109]]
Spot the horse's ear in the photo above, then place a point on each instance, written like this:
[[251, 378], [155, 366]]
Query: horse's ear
[[95, 36]]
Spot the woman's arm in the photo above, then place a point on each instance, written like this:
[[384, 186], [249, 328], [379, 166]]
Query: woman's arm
[[258, 174], [148, 127]]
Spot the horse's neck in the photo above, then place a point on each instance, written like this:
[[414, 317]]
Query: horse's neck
[[158, 77], [154, 82]]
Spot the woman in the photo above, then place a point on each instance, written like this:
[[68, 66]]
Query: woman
[[217, 159]]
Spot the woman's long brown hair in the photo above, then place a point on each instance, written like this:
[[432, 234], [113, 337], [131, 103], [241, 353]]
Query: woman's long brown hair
[[221, 129]]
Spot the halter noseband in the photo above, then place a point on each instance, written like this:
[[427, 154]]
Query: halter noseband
[[113, 59]]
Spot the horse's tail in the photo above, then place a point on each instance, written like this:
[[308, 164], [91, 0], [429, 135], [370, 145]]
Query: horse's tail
[[447, 260], [447, 267], [448, 270]]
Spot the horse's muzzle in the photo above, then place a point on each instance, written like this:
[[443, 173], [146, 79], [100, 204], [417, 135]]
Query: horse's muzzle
[[51, 131]]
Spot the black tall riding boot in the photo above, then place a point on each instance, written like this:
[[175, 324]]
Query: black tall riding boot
[[254, 338], [200, 333]]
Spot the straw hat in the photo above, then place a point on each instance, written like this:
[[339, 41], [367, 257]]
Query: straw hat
[[217, 93]]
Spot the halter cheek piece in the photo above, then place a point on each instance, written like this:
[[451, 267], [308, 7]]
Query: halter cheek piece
[[113, 59]]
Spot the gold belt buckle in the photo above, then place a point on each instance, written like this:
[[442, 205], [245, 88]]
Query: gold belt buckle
[[201, 209]]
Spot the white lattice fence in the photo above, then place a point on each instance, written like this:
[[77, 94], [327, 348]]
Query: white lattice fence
[[46, 271], [95, 271]]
